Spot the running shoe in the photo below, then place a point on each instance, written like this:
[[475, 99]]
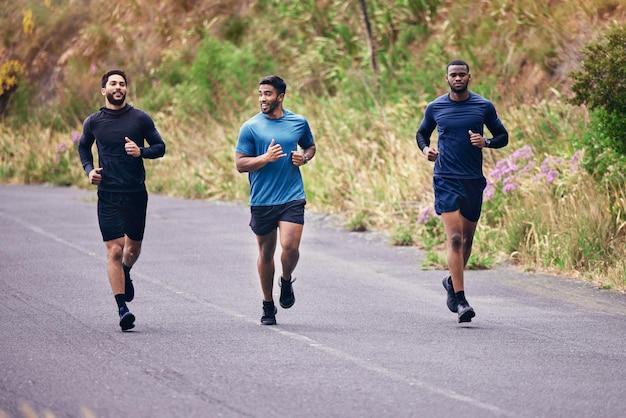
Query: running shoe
[[447, 284], [287, 298], [269, 313], [466, 312], [127, 319]]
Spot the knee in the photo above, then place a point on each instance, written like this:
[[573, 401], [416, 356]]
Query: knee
[[290, 247], [456, 242], [266, 254], [115, 253]]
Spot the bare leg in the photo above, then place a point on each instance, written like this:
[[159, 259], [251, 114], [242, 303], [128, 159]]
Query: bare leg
[[265, 263], [290, 235], [459, 238], [115, 250], [132, 249]]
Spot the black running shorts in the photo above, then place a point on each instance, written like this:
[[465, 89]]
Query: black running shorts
[[122, 214], [265, 219], [465, 195]]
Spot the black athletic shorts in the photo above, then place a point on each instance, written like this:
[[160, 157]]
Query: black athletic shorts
[[265, 219], [454, 194], [122, 214]]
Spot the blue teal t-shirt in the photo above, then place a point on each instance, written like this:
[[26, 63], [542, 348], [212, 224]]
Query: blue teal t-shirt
[[280, 181]]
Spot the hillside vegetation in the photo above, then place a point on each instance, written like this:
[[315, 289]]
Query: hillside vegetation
[[362, 80]]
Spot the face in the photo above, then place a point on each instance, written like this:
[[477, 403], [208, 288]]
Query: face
[[458, 78], [269, 99], [115, 90]]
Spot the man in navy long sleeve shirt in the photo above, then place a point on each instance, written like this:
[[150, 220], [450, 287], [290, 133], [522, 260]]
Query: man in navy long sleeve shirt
[[458, 181], [120, 132]]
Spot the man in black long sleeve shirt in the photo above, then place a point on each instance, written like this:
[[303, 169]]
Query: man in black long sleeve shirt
[[120, 132]]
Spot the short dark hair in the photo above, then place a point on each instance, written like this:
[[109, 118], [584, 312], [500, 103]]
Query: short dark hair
[[457, 62], [276, 82], [108, 74]]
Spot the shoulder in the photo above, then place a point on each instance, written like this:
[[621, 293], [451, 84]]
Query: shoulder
[[289, 115], [477, 98], [142, 114], [439, 103], [93, 118], [253, 120], [441, 100]]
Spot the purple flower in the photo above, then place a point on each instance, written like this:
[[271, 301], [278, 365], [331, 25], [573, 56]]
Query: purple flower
[[424, 216], [93, 68], [574, 162], [74, 137], [490, 190], [509, 187], [524, 153], [62, 147], [551, 175]]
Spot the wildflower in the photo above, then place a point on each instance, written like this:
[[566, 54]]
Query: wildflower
[[93, 68], [490, 190], [509, 185], [524, 153], [62, 147], [424, 216], [551, 175], [573, 162], [74, 137]]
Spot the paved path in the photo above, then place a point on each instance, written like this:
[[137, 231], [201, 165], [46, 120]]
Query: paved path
[[369, 335]]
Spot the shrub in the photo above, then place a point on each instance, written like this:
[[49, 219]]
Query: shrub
[[10, 72], [601, 85]]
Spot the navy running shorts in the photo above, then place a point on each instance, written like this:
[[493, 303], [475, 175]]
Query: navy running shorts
[[265, 219], [122, 214], [465, 195]]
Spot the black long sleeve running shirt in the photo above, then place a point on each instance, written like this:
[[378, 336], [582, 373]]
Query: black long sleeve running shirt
[[108, 128]]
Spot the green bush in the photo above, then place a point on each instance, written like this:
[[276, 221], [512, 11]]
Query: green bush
[[601, 85]]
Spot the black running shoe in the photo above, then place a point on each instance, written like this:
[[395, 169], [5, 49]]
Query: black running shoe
[[466, 312], [447, 284], [129, 289], [269, 313], [127, 319], [287, 298]]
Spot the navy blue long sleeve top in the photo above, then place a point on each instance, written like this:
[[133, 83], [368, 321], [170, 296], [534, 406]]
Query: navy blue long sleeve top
[[458, 158], [108, 128]]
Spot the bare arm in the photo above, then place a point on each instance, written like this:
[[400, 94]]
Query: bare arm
[[247, 163]]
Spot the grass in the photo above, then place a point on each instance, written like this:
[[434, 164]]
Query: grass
[[368, 169]]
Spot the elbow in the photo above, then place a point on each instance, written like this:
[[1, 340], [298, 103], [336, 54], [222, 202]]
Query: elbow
[[505, 140]]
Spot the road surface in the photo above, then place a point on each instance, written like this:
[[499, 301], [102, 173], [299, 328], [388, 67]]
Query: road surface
[[369, 335]]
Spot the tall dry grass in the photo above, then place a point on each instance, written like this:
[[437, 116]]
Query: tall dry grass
[[368, 169]]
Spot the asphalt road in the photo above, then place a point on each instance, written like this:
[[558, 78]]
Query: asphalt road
[[369, 335]]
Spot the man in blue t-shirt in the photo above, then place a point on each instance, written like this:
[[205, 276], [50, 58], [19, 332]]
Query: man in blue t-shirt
[[458, 181], [267, 149]]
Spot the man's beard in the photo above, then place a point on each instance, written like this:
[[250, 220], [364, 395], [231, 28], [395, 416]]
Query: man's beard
[[114, 101], [458, 90], [272, 106]]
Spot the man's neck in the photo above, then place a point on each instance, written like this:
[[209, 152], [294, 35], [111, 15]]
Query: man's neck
[[459, 97], [111, 106], [276, 114]]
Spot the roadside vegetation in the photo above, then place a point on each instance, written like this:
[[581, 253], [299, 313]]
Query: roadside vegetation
[[362, 73]]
